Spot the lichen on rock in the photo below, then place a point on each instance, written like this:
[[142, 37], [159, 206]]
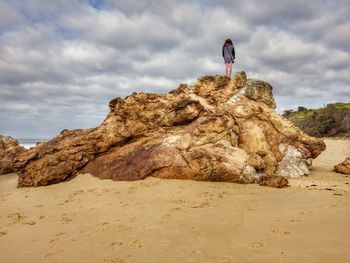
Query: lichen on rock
[[217, 129]]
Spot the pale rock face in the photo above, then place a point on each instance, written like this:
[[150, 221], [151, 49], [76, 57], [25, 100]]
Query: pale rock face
[[171, 140], [293, 165], [217, 129], [249, 171]]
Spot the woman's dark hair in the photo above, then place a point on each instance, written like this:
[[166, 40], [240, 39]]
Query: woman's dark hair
[[228, 42]]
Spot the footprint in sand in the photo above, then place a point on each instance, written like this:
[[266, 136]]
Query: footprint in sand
[[281, 232], [295, 221], [19, 218], [279, 259], [16, 218], [60, 234], [52, 241], [65, 220], [225, 259], [78, 192], [48, 254], [92, 190], [57, 238], [257, 245], [339, 194], [116, 244], [174, 210], [31, 223], [305, 212], [3, 232], [179, 201], [222, 194], [102, 226], [123, 228], [136, 243], [202, 205]]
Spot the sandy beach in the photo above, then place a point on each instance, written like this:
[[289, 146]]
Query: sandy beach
[[93, 220]]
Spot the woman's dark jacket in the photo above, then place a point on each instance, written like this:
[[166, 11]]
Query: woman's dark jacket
[[228, 51]]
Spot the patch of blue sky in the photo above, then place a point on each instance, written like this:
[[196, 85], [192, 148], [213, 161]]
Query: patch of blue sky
[[97, 4]]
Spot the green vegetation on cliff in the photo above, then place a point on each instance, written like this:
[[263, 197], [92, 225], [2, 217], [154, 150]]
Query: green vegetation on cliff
[[333, 120]]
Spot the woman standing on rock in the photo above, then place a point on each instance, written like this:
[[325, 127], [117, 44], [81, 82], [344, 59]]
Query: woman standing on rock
[[228, 53]]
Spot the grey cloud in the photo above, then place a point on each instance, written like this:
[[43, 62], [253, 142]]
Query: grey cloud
[[136, 7], [9, 17], [42, 11], [117, 30], [339, 36]]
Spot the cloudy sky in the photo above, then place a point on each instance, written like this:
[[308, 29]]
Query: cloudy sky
[[61, 61]]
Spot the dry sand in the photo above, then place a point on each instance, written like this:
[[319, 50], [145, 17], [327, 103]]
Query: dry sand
[[92, 220]]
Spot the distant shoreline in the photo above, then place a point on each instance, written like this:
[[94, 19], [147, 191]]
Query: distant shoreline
[[28, 143]]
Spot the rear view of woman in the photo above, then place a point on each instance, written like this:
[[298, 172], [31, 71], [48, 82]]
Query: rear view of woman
[[228, 53]]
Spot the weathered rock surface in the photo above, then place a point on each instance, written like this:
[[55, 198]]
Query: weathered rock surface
[[215, 130], [343, 167], [10, 150]]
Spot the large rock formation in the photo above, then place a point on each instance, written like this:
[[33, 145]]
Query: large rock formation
[[218, 129], [343, 167], [10, 150]]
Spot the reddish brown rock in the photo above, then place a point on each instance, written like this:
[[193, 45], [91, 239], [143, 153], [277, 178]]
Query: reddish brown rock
[[273, 181], [343, 167], [218, 129], [10, 151]]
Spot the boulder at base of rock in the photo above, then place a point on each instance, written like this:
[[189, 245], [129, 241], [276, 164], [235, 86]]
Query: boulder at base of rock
[[10, 150], [343, 167], [217, 129]]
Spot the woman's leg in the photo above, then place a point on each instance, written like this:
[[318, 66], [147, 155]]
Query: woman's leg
[[230, 69], [226, 69]]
